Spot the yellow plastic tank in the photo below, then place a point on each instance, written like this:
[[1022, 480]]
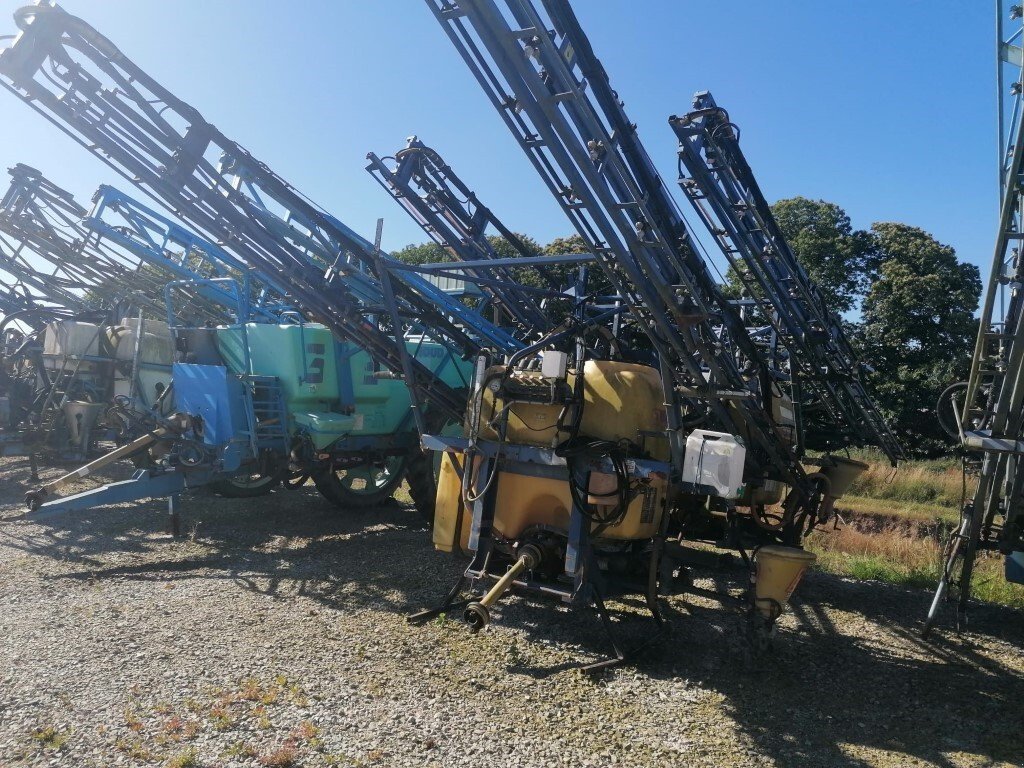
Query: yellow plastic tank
[[524, 502], [451, 523], [622, 402]]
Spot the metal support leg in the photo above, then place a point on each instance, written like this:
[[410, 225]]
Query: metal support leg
[[173, 506]]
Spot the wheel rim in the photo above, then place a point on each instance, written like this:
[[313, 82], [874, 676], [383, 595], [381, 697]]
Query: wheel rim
[[254, 480], [370, 480]]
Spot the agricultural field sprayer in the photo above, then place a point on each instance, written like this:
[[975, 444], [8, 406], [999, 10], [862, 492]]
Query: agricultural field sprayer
[[985, 414], [706, 445], [71, 377]]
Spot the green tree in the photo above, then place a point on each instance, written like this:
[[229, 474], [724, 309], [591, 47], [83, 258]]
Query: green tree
[[917, 329], [838, 258], [424, 253]]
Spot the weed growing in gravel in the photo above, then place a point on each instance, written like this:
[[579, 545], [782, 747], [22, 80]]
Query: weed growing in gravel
[[220, 717], [134, 748], [262, 718], [306, 731], [131, 719], [176, 728], [49, 737], [241, 749], [194, 705], [284, 756], [187, 759], [252, 690]]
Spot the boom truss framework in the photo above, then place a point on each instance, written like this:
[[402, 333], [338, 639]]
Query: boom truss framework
[[542, 76], [46, 246], [990, 417], [81, 82]]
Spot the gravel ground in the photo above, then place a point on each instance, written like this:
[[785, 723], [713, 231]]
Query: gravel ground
[[273, 634]]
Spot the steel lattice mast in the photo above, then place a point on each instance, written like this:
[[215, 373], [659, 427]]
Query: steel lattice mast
[[990, 417], [83, 271]]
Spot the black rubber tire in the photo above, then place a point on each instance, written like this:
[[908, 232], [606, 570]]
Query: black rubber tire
[[334, 490], [229, 489], [422, 480]]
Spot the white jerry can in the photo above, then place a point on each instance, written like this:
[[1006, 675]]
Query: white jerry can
[[714, 460]]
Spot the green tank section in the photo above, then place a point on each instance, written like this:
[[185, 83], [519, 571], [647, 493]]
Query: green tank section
[[332, 389]]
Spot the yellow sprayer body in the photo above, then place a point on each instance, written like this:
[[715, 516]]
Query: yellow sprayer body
[[623, 401]]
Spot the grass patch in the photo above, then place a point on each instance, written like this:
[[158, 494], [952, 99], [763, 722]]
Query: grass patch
[[915, 511], [936, 483], [889, 554], [187, 759], [895, 538], [49, 737]]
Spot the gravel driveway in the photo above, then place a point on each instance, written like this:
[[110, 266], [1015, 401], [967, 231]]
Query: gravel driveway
[[274, 634]]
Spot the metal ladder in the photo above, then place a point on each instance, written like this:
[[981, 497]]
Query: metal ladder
[[269, 419]]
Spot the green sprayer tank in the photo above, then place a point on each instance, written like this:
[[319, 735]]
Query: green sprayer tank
[[332, 389]]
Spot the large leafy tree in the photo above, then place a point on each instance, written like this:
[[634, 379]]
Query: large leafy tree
[[838, 258], [917, 329], [424, 253]]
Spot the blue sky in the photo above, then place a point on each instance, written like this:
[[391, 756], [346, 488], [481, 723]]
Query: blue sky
[[886, 108]]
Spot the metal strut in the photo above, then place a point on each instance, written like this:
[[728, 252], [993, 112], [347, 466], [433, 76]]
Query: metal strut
[[450, 213]]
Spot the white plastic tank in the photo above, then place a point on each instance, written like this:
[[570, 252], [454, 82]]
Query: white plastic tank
[[714, 461], [71, 337], [157, 343]]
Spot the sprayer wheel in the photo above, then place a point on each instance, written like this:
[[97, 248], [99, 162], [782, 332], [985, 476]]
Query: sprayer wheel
[[422, 479], [362, 487], [246, 486]]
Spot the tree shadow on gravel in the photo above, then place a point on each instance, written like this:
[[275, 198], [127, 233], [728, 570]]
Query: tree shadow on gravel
[[287, 544], [868, 684], [848, 677]]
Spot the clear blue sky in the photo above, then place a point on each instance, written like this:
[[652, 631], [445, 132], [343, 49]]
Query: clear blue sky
[[886, 108]]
